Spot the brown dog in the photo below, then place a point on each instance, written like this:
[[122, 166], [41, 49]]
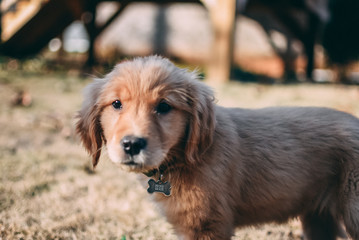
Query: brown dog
[[227, 167]]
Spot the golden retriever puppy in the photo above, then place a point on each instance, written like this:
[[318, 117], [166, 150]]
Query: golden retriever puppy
[[213, 169]]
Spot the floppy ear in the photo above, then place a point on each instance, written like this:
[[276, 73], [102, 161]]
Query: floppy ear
[[88, 125], [202, 121]]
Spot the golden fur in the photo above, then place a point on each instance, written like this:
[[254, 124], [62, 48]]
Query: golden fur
[[227, 167]]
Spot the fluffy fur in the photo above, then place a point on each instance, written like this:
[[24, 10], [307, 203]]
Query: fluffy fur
[[228, 167]]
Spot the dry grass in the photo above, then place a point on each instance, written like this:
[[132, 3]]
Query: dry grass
[[47, 188]]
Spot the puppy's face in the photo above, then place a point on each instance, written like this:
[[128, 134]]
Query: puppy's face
[[144, 109], [141, 121]]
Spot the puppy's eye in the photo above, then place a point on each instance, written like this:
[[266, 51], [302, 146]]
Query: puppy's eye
[[163, 108], [117, 104]]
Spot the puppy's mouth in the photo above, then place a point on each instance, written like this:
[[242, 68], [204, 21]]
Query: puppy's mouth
[[143, 161], [130, 162], [135, 164]]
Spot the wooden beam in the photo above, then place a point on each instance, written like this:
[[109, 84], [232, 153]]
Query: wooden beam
[[1, 14], [91, 30], [99, 29], [222, 14], [157, 1]]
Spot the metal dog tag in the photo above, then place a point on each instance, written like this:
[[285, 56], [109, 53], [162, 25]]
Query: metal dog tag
[[159, 186]]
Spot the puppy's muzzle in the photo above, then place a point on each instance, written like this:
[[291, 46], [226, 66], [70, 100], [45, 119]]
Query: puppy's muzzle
[[132, 146]]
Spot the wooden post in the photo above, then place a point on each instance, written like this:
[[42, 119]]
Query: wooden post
[[0, 24], [222, 14], [91, 30]]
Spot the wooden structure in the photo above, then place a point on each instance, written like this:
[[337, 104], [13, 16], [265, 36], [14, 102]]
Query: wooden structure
[[51, 17], [48, 22], [223, 16], [25, 33], [302, 20]]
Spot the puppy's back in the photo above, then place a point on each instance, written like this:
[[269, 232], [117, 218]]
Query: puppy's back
[[289, 159]]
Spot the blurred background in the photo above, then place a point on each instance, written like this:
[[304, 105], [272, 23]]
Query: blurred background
[[255, 53], [247, 40]]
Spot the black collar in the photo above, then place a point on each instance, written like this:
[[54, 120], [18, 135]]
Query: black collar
[[162, 168]]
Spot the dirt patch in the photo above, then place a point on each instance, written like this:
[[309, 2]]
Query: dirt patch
[[47, 187]]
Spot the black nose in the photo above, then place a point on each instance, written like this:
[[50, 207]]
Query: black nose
[[133, 145]]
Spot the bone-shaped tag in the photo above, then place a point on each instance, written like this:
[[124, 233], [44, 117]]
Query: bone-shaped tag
[[159, 186]]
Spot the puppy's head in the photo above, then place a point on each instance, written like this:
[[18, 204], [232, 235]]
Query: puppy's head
[[144, 110]]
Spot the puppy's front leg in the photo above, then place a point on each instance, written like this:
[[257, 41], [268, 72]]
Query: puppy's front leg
[[202, 236], [207, 232]]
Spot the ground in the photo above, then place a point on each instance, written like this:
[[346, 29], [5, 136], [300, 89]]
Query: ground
[[48, 189]]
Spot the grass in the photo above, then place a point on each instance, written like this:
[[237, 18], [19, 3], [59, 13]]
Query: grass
[[47, 187]]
